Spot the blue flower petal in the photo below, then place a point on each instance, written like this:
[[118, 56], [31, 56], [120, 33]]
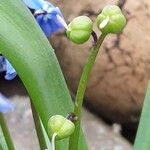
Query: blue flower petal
[[47, 4], [54, 25], [49, 22], [34, 4], [10, 71], [5, 104], [54, 11], [44, 25]]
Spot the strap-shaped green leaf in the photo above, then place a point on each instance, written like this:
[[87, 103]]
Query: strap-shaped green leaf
[[142, 141], [27, 48]]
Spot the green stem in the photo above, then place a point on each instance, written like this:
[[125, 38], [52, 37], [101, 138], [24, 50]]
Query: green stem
[[73, 141], [6, 133], [38, 127]]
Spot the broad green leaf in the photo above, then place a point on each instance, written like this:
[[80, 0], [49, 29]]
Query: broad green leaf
[[142, 141], [27, 48]]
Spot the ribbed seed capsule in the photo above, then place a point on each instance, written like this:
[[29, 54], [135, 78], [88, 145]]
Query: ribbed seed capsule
[[111, 20], [60, 126], [80, 29]]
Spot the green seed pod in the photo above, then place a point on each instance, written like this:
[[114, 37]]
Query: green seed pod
[[61, 126], [111, 20], [80, 29]]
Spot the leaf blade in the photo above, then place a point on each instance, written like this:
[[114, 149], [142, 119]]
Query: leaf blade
[[32, 56]]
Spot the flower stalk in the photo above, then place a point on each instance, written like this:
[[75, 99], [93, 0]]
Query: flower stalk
[[73, 141]]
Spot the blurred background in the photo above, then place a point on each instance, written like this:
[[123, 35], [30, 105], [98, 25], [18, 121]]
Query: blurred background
[[117, 86]]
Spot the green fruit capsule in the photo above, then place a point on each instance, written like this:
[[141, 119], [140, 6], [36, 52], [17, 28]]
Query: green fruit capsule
[[111, 20], [60, 126], [80, 29]]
